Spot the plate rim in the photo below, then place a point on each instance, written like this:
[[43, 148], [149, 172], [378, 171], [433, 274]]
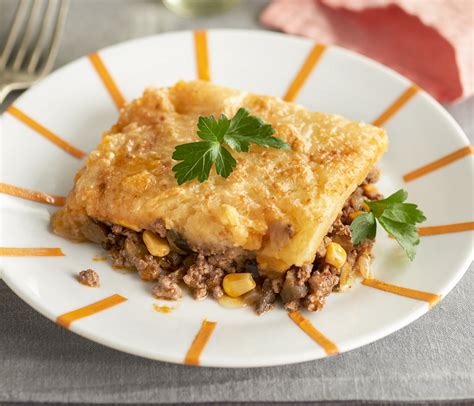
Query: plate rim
[[368, 338]]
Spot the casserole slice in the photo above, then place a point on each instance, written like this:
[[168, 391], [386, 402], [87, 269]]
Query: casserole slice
[[272, 215]]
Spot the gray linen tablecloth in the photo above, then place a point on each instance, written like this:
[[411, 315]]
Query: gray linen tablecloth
[[431, 359]]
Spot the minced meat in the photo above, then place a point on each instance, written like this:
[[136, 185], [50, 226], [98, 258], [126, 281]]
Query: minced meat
[[90, 278], [203, 271], [167, 288], [204, 278]]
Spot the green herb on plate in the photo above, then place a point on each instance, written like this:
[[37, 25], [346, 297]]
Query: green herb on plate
[[399, 219], [237, 133]]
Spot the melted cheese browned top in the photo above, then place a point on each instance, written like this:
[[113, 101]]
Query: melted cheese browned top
[[277, 203]]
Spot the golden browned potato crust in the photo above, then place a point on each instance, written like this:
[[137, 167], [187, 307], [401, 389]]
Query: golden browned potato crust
[[277, 203]]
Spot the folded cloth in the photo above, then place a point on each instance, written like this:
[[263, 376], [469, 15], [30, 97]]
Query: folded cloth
[[428, 41]]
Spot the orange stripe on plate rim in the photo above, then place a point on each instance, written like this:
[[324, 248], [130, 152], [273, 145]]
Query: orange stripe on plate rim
[[446, 229], [431, 298], [55, 139], [328, 346], [31, 252], [439, 163], [107, 79], [396, 105], [66, 319], [307, 67], [54, 200], [202, 55], [199, 342]]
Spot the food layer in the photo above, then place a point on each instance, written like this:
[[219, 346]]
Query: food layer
[[233, 277], [275, 208]]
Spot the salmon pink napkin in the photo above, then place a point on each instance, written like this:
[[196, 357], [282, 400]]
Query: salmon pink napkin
[[428, 41]]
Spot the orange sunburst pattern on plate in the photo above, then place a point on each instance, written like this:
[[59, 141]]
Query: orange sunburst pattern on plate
[[202, 55], [431, 298], [446, 229], [107, 80], [439, 163], [396, 105], [310, 62], [66, 319], [55, 139], [31, 252], [328, 346], [199, 342], [33, 195]]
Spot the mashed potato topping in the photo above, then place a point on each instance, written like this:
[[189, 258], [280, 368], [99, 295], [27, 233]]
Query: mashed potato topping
[[278, 204]]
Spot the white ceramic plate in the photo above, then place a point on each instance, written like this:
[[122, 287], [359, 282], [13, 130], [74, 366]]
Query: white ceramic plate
[[74, 104]]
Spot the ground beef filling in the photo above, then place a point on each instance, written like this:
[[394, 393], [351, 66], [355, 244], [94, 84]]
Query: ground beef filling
[[89, 277], [203, 271]]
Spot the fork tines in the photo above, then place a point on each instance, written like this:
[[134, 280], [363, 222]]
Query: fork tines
[[34, 37]]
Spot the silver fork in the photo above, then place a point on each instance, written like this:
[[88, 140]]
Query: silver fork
[[31, 61]]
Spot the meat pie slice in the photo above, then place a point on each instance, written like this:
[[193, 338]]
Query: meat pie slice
[[270, 215]]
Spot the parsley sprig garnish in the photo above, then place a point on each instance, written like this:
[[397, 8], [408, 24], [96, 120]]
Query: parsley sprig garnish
[[396, 217], [238, 133]]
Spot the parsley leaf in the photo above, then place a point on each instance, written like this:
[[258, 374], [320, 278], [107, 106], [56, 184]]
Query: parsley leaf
[[378, 206], [197, 159], [211, 129], [405, 234], [404, 213], [245, 129], [399, 219], [225, 163], [363, 227], [238, 133]]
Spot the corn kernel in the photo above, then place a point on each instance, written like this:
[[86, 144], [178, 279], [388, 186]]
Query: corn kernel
[[346, 279], [365, 206], [335, 255], [363, 265], [355, 214], [371, 189], [231, 302], [127, 225], [236, 284], [157, 246]]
